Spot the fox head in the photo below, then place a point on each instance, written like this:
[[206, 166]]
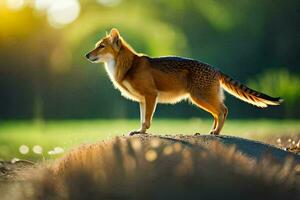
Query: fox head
[[107, 48]]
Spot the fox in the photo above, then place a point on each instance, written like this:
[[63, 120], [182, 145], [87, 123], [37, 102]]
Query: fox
[[170, 79]]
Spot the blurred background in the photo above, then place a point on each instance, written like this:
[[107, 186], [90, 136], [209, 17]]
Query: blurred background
[[44, 75]]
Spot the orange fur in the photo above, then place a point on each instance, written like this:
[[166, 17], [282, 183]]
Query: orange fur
[[169, 80]]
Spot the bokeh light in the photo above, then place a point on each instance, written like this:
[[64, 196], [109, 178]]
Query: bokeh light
[[59, 12], [151, 155], [15, 4], [51, 152], [109, 3], [58, 150], [168, 150], [154, 143], [62, 12], [14, 160], [43, 4], [177, 147], [23, 149], [136, 144], [37, 149]]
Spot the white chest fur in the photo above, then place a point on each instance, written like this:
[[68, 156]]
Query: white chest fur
[[110, 67]]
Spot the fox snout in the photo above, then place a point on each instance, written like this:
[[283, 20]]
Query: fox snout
[[91, 57]]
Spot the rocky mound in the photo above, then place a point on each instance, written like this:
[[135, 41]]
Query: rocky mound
[[163, 167]]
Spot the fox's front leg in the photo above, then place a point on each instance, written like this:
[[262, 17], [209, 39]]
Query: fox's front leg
[[142, 116], [147, 108]]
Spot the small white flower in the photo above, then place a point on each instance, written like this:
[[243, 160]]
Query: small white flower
[[14, 160], [51, 152], [56, 150], [24, 149], [59, 150], [37, 149]]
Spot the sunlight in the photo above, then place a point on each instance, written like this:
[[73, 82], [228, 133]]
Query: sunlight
[[59, 12], [109, 3], [15, 4], [42, 4], [63, 12]]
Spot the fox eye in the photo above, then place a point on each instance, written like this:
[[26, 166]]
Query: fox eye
[[101, 46]]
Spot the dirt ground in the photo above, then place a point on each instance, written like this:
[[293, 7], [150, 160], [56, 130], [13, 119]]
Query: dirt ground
[[279, 147], [160, 167]]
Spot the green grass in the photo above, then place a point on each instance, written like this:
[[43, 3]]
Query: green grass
[[70, 133]]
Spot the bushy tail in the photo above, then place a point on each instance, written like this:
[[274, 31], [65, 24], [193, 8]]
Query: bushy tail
[[246, 94]]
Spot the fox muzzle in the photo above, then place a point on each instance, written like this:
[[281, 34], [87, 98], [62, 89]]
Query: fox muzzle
[[91, 57]]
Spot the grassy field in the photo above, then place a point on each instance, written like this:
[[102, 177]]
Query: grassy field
[[69, 133]]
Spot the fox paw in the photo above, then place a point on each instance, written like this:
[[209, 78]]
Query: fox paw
[[135, 133], [213, 133]]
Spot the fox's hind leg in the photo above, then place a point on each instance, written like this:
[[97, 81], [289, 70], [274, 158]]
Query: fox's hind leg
[[212, 103], [221, 119]]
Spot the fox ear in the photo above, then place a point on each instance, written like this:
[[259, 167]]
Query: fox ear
[[114, 33], [115, 38]]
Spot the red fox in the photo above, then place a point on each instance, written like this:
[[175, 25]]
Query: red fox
[[170, 79]]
